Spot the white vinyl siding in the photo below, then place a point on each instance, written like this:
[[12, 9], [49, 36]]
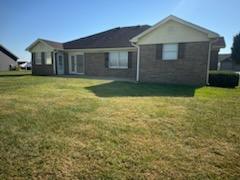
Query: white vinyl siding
[[38, 59], [48, 58], [118, 60], [171, 32], [170, 51]]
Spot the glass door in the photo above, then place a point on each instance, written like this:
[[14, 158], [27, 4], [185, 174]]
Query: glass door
[[60, 65], [77, 64]]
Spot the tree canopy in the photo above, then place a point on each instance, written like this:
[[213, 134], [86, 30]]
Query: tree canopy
[[236, 49]]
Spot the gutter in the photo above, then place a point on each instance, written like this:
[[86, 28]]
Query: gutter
[[208, 63], [138, 60]]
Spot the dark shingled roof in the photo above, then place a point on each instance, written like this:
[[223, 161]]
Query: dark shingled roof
[[56, 45], [113, 38]]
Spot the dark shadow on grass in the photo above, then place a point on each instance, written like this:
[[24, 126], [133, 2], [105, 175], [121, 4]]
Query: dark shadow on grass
[[94, 77], [14, 75], [121, 89]]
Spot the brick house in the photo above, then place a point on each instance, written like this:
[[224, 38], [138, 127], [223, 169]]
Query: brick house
[[172, 51]]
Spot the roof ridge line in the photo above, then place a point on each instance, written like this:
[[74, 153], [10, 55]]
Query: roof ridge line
[[50, 40]]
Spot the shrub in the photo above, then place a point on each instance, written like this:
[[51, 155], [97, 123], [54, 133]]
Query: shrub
[[223, 79]]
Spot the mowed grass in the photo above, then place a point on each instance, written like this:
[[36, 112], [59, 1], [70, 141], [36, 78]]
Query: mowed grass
[[69, 128]]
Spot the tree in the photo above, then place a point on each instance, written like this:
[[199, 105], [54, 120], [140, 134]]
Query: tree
[[236, 49]]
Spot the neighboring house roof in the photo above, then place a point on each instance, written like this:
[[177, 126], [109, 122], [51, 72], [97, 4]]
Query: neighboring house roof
[[22, 60], [26, 65], [224, 57], [210, 34], [8, 53], [113, 38]]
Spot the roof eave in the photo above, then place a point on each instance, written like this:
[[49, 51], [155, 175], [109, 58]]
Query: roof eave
[[10, 52], [101, 49], [222, 43]]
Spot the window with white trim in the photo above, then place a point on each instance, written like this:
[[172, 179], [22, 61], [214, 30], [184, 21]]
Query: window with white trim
[[118, 60], [38, 58], [48, 58], [170, 52]]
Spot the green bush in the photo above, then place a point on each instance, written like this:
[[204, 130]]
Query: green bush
[[223, 79]]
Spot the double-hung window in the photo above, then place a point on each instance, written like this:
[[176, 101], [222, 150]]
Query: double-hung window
[[48, 58], [38, 58], [118, 60], [170, 52]]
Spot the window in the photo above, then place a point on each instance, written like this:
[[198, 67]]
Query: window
[[170, 51], [48, 58], [38, 58], [118, 60]]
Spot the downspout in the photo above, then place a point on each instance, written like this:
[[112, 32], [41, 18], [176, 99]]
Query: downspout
[[138, 60], [208, 63]]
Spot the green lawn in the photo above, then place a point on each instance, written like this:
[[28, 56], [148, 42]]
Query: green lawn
[[69, 128]]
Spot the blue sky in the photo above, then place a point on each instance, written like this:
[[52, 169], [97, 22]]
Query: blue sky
[[23, 21]]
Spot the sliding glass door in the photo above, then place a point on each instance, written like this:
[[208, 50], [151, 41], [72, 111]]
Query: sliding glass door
[[77, 64]]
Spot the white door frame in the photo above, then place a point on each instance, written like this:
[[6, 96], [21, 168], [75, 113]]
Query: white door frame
[[60, 54], [75, 59]]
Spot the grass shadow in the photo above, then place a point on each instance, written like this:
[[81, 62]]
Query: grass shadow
[[15, 73], [121, 89]]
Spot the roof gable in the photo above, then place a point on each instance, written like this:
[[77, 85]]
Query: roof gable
[[209, 33], [53, 44], [173, 32], [50, 44]]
